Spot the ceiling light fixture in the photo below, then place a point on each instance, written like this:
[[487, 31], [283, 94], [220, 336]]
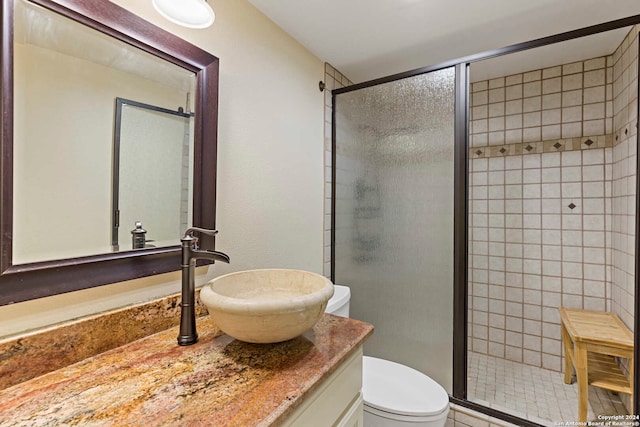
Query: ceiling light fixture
[[188, 13]]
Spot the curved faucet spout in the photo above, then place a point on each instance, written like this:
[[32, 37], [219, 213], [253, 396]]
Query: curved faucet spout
[[210, 255], [190, 253]]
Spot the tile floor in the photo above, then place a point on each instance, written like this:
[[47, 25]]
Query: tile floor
[[533, 393]]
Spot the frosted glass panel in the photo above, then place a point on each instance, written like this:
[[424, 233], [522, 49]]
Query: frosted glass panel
[[154, 174], [394, 217]]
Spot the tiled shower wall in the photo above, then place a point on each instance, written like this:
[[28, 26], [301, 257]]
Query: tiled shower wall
[[552, 209], [333, 79], [625, 105]]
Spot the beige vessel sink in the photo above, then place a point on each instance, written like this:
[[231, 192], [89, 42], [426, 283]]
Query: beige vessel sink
[[266, 306]]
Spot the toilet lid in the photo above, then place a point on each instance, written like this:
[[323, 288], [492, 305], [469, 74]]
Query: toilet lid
[[399, 389], [341, 294]]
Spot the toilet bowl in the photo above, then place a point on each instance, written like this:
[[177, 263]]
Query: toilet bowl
[[394, 395]]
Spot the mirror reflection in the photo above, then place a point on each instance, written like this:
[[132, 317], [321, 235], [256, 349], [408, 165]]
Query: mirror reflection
[[67, 81], [152, 175]]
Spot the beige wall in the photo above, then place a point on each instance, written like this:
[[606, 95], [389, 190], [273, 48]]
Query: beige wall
[[270, 162]]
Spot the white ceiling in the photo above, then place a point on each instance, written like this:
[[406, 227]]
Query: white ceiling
[[368, 39]]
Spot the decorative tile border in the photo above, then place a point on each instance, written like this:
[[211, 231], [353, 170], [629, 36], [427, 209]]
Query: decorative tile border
[[538, 147]]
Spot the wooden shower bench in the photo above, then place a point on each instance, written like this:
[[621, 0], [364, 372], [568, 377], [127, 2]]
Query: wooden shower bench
[[592, 340]]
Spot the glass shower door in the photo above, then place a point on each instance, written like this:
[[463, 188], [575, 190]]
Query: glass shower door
[[393, 212]]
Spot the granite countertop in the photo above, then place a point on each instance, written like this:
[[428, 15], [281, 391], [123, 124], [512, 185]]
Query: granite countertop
[[218, 381]]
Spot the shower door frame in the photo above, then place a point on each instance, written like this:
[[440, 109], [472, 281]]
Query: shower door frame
[[461, 208]]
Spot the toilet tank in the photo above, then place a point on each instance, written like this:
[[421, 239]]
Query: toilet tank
[[339, 302]]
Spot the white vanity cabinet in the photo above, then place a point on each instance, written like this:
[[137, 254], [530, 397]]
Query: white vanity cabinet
[[337, 401]]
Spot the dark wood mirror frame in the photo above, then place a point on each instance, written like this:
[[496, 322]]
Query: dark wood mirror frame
[[36, 280]]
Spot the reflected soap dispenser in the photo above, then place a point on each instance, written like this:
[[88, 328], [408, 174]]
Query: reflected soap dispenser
[[138, 236]]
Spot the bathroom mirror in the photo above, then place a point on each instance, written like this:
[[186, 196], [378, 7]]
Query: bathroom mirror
[[65, 63]]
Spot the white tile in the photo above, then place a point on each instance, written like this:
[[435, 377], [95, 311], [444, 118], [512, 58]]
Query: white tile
[[531, 191], [594, 111], [532, 251], [551, 253], [551, 299], [532, 119], [552, 284], [551, 190], [531, 161], [496, 192], [513, 121], [594, 255], [594, 271], [594, 127], [593, 189], [550, 174], [531, 206], [551, 237], [513, 206], [551, 101], [572, 301], [593, 173], [551, 206], [496, 95], [533, 88], [571, 114], [514, 107], [530, 104], [571, 158], [572, 238], [553, 116], [573, 190], [592, 157], [513, 191], [571, 222], [513, 162], [571, 82], [550, 132], [593, 222], [594, 303], [572, 130], [594, 94], [513, 92], [496, 138], [571, 174], [594, 78], [551, 268], [531, 236], [571, 98], [531, 176], [496, 124], [572, 270], [530, 266], [572, 286], [513, 177], [496, 177], [571, 253], [479, 112]]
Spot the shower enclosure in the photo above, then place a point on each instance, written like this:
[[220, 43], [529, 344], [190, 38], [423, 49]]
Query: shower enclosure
[[394, 199], [469, 205]]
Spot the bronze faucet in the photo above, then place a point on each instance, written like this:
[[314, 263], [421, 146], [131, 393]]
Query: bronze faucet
[[190, 253]]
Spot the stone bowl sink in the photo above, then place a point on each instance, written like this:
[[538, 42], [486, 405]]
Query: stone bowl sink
[[266, 306]]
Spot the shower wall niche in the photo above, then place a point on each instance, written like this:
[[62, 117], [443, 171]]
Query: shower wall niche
[[552, 163]]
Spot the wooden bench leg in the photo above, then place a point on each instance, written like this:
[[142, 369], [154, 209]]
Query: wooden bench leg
[[568, 363], [580, 354]]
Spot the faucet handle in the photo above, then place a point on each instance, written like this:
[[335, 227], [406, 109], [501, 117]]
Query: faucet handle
[[191, 230]]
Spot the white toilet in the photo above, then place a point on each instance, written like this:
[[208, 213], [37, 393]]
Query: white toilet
[[395, 395]]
